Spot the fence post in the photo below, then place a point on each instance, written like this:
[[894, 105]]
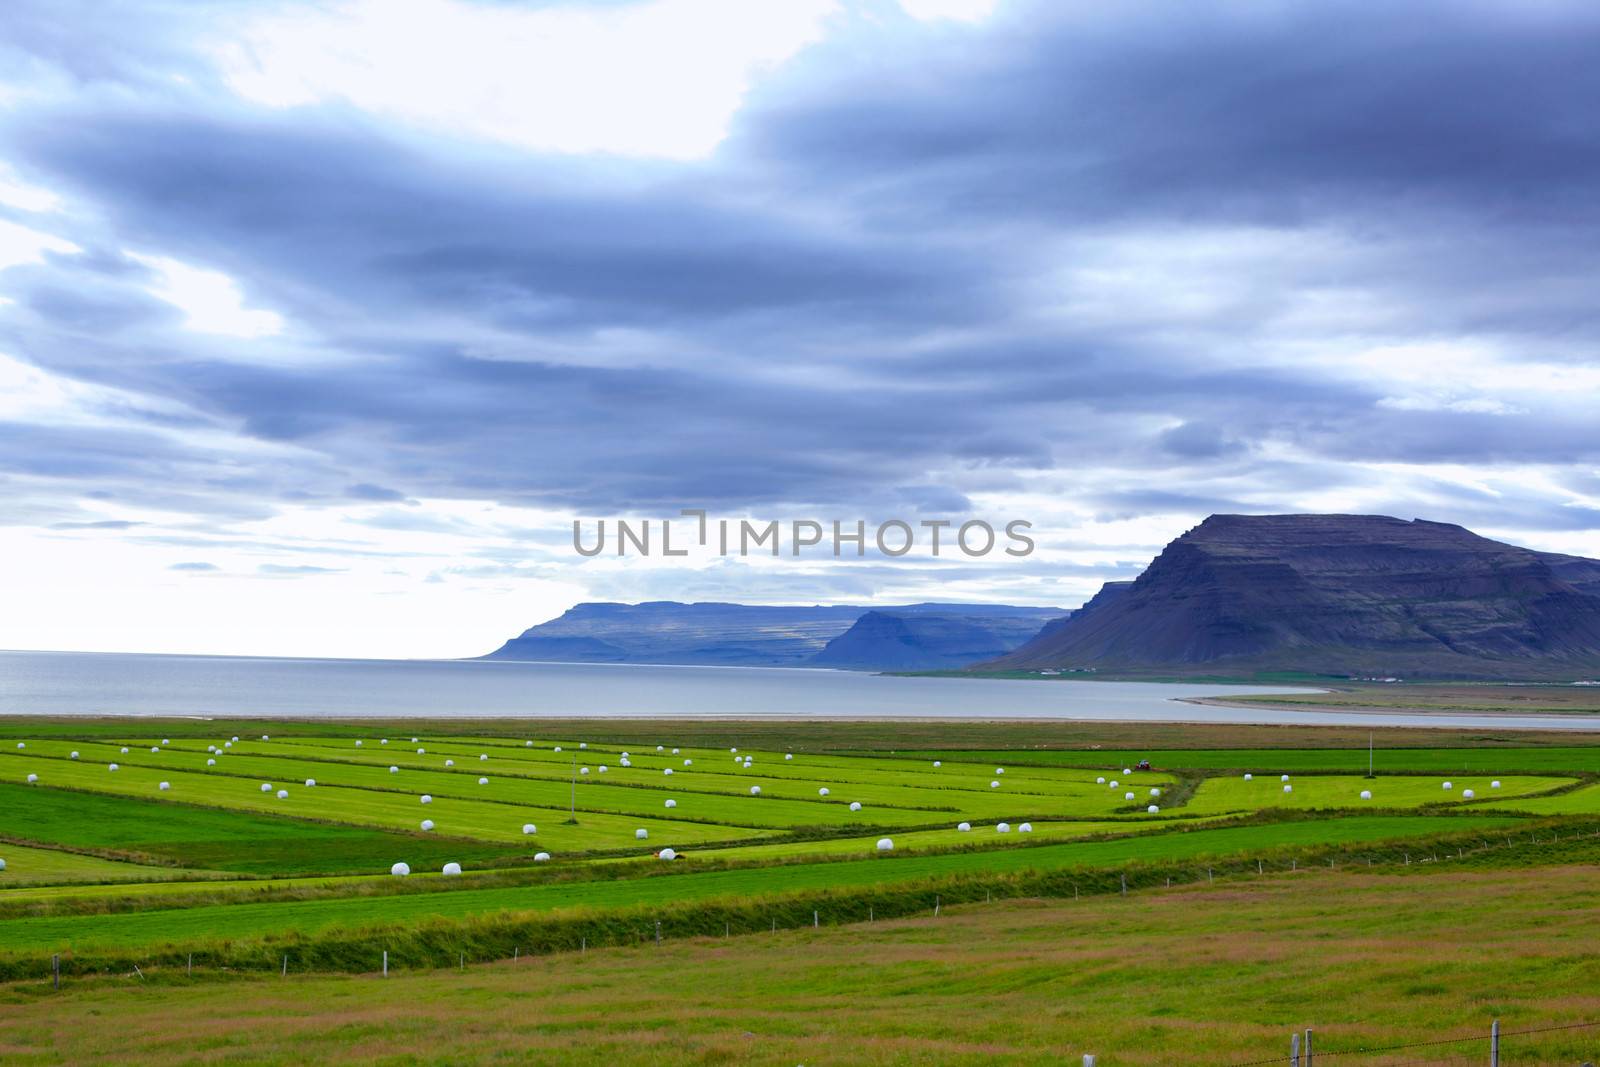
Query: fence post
[[1124, 885], [1088, 1059], [1494, 1044], [55, 970], [191, 965], [286, 965], [815, 922], [386, 963], [1294, 1049], [1308, 1047], [936, 906], [658, 931]]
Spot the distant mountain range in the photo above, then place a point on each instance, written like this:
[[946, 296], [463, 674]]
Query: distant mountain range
[[912, 637], [1348, 595]]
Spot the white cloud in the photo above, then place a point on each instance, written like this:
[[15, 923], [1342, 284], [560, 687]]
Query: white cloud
[[958, 10], [20, 245], [19, 194], [655, 79], [210, 300]]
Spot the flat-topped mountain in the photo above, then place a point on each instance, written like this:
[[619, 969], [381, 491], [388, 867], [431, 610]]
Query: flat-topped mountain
[[900, 640], [755, 635], [1350, 595]]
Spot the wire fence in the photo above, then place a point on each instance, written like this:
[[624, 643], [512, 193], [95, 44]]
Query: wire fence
[[1577, 1044]]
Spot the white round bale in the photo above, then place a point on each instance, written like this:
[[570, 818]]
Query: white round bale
[[283, 794], [426, 824], [74, 755], [1002, 828], [211, 763], [994, 785], [426, 799], [112, 767], [755, 790], [1248, 777], [449, 763], [266, 787], [641, 834], [668, 854], [483, 781], [822, 792], [666, 770], [393, 769], [1467, 794], [400, 870], [1288, 789], [964, 827], [529, 828], [1285, 778], [1025, 828], [310, 782], [1127, 796], [1449, 785], [855, 805], [885, 845], [1492, 785], [1366, 794], [1152, 809], [541, 857], [451, 869], [34, 778], [164, 786], [1100, 780], [671, 803]]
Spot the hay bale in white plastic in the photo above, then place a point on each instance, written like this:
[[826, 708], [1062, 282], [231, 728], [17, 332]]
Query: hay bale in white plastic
[[2, 865], [400, 870], [994, 785], [483, 781], [22, 744], [393, 769], [885, 844], [34, 778], [1002, 828], [1492, 785], [266, 787], [529, 828], [283, 794], [1114, 784], [310, 782], [1127, 770], [164, 786], [641, 834], [583, 744], [358, 742], [449, 763], [112, 767], [671, 803], [1366, 794], [938, 763], [734, 751], [74, 755], [426, 824], [155, 748], [483, 757], [1155, 792], [626, 763], [1467, 794], [541, 857], [451, 869], [227, 744], [1127, 796], [558, 748], [1285, 778], [689, 763], [999, 770], [668, 854], [211, 763], [666, 770], [124, 750], [264, 737], [661, 748], [965, 827], [1025, 828], [624, 755], [527, 744], [422, 752], [675, 751], [236, 737], [383, 741], [755, 790], [822, 792], [1449, 785], [1100, 780], [166, 740], [583, 770], [414, 740], [1249, 777], [426, 799], [1288, 789], [788, 755], [1152, 809], [855, 805]]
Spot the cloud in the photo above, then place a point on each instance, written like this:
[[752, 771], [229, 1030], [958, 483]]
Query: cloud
[[194, 567], [1107, 267]]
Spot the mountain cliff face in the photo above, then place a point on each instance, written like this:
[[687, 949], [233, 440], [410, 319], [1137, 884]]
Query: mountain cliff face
[[749, 635], [1361, 595], [922, 641]]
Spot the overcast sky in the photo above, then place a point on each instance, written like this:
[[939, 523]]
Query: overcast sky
[[319, 323]]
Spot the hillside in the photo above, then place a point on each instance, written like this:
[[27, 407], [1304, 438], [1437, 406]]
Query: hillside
[[754, 635], [1348, 595], [912, 641]]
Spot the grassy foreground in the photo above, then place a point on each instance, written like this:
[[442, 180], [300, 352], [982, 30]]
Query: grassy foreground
[[1199, 974]]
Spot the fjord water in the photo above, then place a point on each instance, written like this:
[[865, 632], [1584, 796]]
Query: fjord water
[[84, 683]]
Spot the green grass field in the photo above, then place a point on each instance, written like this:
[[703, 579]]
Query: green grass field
[[110, 870]]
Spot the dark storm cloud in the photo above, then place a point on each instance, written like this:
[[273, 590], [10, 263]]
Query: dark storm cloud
[[877, 296]]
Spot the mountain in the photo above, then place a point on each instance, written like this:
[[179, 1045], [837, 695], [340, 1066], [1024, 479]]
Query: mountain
[[932, 640], [750, 635], [1350, 595]]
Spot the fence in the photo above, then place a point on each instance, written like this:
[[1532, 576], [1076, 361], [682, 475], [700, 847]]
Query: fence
[[1569, 1043]]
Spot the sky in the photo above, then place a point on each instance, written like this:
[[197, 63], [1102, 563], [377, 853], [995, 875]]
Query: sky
[[320, 323]]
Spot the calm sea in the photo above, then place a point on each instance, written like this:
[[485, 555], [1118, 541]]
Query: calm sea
[[83, 683]]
